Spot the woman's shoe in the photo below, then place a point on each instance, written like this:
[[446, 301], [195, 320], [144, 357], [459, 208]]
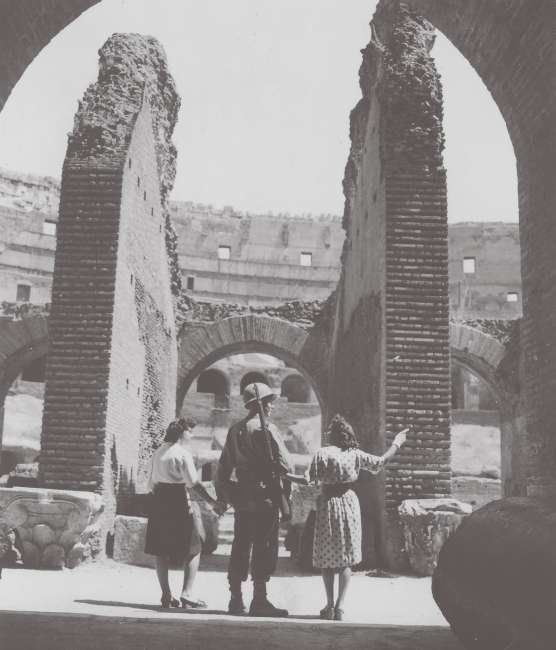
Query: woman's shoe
[[327, 613], [338, 614], [169, 601], [193, 603]]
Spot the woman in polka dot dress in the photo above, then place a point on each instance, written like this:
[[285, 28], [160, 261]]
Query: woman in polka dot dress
[[337, 539]]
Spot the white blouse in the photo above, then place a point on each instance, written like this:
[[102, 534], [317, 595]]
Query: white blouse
[[172, 463]]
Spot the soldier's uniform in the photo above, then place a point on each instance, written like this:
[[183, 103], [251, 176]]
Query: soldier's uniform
[[240, 480]]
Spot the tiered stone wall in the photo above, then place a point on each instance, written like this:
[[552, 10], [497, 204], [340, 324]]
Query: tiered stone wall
[[391, 362], [110, 377]]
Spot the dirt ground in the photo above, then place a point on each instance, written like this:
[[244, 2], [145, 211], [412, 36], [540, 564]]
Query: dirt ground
[[109, 605]]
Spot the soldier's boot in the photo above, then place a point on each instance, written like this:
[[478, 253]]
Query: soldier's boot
[[261, 606], [236, 605]]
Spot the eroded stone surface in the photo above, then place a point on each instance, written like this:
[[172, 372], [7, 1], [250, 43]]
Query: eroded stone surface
[[51, 523], [496, 577], [427, 524]]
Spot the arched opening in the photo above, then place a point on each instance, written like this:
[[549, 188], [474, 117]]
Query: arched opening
[[299, 421], [216, 382], [21, 423], [252, 377], [476, 439], [296, 389]]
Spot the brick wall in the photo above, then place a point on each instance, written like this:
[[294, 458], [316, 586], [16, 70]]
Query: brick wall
[[391, 345], [512, 48], [110, 377]]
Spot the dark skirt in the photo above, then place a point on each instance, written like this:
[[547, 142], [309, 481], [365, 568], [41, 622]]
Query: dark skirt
[[170, 524]]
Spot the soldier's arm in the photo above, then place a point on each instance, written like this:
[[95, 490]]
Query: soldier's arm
[[282, 454], [225, 468]]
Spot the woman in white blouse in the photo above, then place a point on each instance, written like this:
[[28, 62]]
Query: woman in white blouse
[[172, 535]]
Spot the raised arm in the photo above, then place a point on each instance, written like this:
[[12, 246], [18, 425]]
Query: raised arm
[[398, 441]]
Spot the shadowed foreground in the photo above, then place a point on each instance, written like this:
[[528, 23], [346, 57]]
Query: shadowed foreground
[[28, 631]]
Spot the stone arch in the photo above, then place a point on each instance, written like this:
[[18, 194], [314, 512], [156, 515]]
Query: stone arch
[[295, 388], [484, 356], [251, 377], [479, 352], [217, 382], [202, 345], [22, 342]]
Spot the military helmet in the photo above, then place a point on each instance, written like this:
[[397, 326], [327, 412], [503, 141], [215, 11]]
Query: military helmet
[[250, 396]]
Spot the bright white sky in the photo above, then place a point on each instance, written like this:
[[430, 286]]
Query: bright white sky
[[266, 89]]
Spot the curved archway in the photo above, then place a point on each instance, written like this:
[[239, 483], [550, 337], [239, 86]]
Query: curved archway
[[202, 346], [22, 342], [482, 355], [214, 381], [296, 389], [23, 346], [251, 377]]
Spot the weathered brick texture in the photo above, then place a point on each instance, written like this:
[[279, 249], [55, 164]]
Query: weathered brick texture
[[391, 364], [110, 377]]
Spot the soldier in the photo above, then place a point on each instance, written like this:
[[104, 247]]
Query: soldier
[[256, 505]]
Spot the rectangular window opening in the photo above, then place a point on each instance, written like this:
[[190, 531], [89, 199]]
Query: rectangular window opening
[[511, 296], [224, 252], [49, 227], [23, 293], [306, 259], [190, 282], [469, 265]]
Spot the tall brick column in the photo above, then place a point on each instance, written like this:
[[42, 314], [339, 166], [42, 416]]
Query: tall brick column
[[111, 369], [391, 364]]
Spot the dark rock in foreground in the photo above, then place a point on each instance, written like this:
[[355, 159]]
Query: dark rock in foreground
[[496, 576]]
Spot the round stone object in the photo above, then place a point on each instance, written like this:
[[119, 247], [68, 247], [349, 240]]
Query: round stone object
[[31, 555], [53, 557], [496, 576], [76, 555], [68, 539], [43, 535]]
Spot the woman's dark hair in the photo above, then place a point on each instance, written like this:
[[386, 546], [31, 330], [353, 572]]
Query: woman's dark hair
[[177, 427], [341, 434]]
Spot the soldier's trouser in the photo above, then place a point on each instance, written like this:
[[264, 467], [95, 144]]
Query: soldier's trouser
[[255, 538]]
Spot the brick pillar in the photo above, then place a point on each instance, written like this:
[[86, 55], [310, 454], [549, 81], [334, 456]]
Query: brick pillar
[[390, 352], [111, 369]]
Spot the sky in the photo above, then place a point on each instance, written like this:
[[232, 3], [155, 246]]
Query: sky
[[266, 87]]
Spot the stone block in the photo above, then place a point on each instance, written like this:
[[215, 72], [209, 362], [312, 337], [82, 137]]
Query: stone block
[[303, 500], [43, 535], [496, 576], [57, 520], [129, 541], [427, 524]]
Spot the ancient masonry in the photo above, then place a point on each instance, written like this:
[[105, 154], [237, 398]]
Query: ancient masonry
[[111, 371], [390, 358]]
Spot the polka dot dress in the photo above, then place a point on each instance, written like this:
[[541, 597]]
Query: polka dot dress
[[337, 539]]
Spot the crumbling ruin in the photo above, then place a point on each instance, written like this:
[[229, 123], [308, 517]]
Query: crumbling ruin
[[111, 370]]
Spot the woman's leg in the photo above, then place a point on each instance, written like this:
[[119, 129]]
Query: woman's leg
[[345, 575], [328, 579], [190, 568], [162, 574]]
